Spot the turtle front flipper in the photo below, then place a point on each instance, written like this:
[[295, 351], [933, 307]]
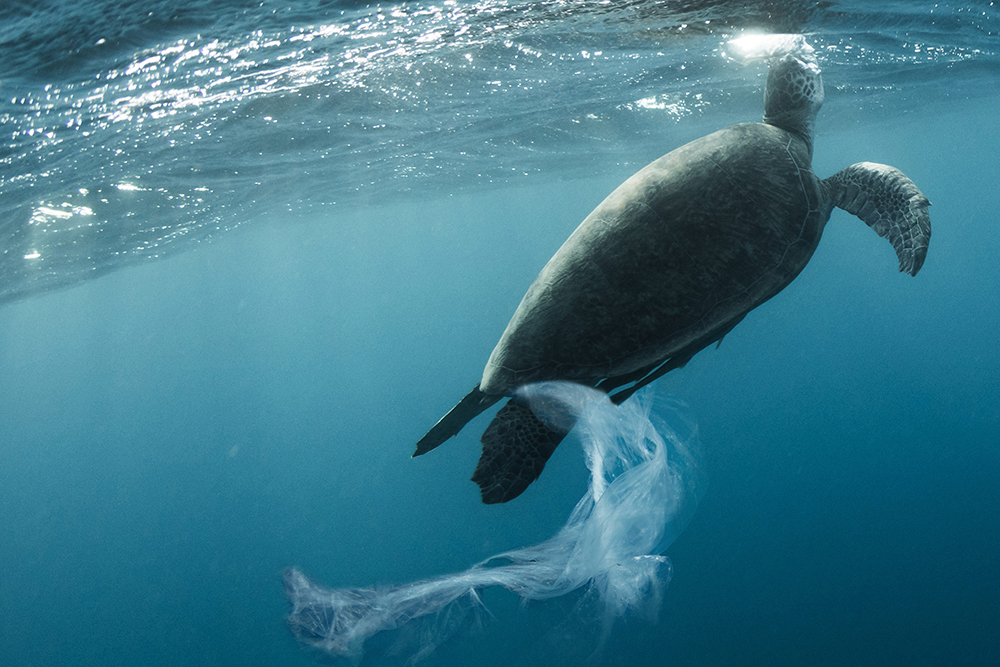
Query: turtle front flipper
[[890, 203], [516, 446]]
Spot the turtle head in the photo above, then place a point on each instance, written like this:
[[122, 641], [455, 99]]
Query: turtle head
[[793, 95]]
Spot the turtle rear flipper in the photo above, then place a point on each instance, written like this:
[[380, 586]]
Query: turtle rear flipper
[[474, 403], [516, 446], [890, 203]]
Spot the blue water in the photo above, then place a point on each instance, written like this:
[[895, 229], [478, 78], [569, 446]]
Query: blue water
[[251, 251]]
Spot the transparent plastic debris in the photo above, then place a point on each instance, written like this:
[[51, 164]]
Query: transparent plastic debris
[[643, 490]]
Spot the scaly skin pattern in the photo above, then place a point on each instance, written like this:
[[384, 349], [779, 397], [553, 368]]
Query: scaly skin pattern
[[684, 248], [888, 202]]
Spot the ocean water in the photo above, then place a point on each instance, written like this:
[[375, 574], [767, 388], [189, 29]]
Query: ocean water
[[251, 251]]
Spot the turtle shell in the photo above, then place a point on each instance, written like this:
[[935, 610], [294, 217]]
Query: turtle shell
[[677, 254]]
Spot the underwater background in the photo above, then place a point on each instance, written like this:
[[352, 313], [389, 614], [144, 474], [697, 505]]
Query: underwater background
[[251, 251]]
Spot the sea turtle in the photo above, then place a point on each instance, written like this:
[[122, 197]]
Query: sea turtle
[[671, 261]]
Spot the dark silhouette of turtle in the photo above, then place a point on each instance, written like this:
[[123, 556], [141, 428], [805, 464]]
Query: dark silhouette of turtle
[[671, 261]]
